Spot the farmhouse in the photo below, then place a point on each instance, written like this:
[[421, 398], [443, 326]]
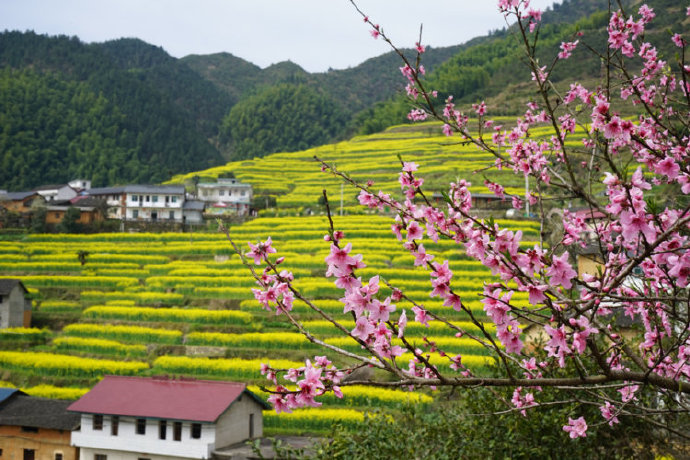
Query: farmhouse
[[21, 202], [35, 428], [114, 198], [15, 306], [227, 196], [134, 417], [56, 193]]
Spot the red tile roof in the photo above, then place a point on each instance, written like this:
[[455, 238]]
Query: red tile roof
[[194, 400]]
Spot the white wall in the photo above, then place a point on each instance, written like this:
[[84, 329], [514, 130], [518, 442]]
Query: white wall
[[148, 445]]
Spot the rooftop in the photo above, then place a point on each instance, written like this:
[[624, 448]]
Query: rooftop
[[194, 400], [7, 284], [24, 410]]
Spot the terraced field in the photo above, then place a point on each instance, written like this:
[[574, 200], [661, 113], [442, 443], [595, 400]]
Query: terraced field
[[295, 177], [178, 304], [181, 304]]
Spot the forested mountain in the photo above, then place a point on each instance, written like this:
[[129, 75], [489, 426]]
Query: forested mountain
[[126, 111], [493, 69], [68, 110]]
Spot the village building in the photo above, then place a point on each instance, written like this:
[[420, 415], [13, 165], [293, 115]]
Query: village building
[[193, 211], [21, 202], [56, 193], [80, 184], [226, 196], [15, 305], [35, 428], [154, 203], [115, 200], [130, 418], [89, 210]]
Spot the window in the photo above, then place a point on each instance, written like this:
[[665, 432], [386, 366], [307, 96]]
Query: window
[[58, 455], [162, 429], [167, 199], [173, 199], [155, 198], [221, 192], [177, 431], [242, 192], [205, 192], [251, 426], [135, 214], [196, 430], [135, 198], [114, 425], [100, 457], [141, 426], [29, 454], [171, 215], [97, 421], [30, 429], [57, 215], [148, 198]]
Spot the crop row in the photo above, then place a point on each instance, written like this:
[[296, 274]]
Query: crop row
[[190, 315], [49, 364], [124, 333]]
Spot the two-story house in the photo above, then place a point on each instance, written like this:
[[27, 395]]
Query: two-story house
[[134, 418], [154, 202], [15, 305], [227, 196], [114, 198]]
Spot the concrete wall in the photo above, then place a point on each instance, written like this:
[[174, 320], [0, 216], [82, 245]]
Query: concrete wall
[[233, 425], [45, 443], [149, 445], [12, 309]]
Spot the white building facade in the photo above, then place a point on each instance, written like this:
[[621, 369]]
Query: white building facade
[[227, 196], [162, 419]]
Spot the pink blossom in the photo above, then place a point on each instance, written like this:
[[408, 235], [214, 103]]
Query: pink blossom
[[678, 40], [363, 328], [576, 428], [561, 272], [414, 231], [609, 413], [402, 324], [260, 251], [420, 315]]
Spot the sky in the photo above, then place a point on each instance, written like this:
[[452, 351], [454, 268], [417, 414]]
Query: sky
[[315, 34]]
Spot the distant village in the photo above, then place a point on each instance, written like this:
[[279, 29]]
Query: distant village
[[45, 208]]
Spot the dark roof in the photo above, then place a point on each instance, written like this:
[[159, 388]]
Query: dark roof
[[16, 196], [24, 410], [173, 189], [85, 200], [7, 284], [194, 400], [194, 205], [105, 191]]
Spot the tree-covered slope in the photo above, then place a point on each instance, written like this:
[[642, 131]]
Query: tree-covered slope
[[69, 109]]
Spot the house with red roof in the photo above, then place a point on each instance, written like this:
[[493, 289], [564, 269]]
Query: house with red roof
[[135, 417]]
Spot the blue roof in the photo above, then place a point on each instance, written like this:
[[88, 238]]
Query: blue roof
[[6, 393]]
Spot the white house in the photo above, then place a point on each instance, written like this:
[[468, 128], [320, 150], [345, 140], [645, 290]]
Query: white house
[[227, 196], [154, 202], [130, 418], [162, 203], [80, 184]]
